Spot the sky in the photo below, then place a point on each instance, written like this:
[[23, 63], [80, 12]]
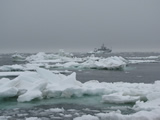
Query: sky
[[79, 25]]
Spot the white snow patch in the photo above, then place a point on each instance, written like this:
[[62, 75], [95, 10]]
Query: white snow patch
[[33, 118], [86, 117], [57, 110]]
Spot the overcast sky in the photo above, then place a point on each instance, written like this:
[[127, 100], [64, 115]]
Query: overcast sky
[[79, 25]]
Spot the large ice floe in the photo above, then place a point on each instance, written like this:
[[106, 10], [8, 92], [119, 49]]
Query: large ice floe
[[43, 84], [95, 63], [64, 61]]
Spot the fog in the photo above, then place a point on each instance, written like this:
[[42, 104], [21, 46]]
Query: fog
[[79, 25]]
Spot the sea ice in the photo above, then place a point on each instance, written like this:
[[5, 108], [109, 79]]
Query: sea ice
[[67, 61], [53, 58], [5, 74], [57, 110], [119, 98], [45, 84], [23, 67], [33, 118], [95, 63], [86, 117], [18, 57], [64, 60], [144, 58], [142, 61], [11, 67]]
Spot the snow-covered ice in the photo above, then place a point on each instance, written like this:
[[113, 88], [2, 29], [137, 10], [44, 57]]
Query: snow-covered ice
[[144, 58], [17, 73], [95, 63], [18, 57], [66, 60], [86, 117], [5, 74], [11, 67], [149, 59], [22, 67], [92, 62], [33, 118], [56, 110], [119, 98], [45, 84], [142, 61], [61, 56]]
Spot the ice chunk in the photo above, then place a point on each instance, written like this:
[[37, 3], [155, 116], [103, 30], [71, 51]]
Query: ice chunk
[[8, 92], [11, 67], [33, 118], [18, 57], [61, 52], [38, 56], [57, 110], [142, 61], [119, 98], [148, 105], [23, 67], [8, 88], [59, 57], [48, 75], [144, 58], [5, 117], [142, 115], [86, 117], [33, 93], [10, 73]]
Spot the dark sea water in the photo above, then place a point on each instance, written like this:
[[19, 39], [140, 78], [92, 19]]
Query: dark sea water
[[138, 73], [133, 73]]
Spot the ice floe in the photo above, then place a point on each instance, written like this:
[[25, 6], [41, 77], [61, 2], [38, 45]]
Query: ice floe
[[149, 59], [110, 63], [42, 57], [95, 63], [11, 67], [14, 74], [142, 61], [19, 67], [5, 74], [45, 84], [18, 57], [86, 117], [119, 98], [144, 58]]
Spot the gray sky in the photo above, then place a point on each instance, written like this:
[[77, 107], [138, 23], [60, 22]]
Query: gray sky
[[79, 25]]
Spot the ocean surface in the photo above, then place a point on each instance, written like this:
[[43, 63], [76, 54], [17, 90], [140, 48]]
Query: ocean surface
[[133, 73]]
